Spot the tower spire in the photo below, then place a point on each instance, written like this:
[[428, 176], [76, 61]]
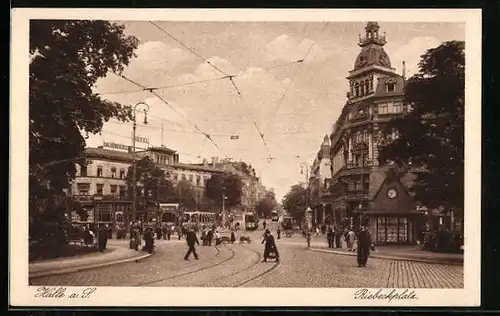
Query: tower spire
[[372, 35]]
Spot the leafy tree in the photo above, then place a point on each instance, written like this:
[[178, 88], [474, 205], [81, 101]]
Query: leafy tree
[[66, 60], [224, 184], [431, 133], [186, 195], [152, 182], [266, 205], [294, 202]]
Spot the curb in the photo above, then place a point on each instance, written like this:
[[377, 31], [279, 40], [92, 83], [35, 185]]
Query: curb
[[37, 275], [448, 262]]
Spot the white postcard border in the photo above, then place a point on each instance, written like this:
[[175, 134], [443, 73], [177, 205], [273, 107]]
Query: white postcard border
[[23, 295]]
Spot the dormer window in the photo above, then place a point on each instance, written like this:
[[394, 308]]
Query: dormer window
[[390, 86]]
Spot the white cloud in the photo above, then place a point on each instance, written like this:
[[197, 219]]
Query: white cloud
[[286, 48], [411, 52]]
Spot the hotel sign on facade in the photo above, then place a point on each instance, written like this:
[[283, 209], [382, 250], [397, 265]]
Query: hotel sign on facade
[[114, 145]]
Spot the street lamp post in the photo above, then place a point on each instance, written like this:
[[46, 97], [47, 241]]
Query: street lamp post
[[302, 167], [134, 179]]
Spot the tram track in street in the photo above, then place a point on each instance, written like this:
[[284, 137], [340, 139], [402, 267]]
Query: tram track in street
[[194, 271], [275, 265]]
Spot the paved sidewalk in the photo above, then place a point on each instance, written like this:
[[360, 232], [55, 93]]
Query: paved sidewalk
[[408, 253], [117, 252]]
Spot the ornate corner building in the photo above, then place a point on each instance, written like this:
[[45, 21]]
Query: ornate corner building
[[362, 189]]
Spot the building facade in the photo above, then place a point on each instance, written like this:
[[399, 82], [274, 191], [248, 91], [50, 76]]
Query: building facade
[[105, 174], [362, 188], [319, 182]]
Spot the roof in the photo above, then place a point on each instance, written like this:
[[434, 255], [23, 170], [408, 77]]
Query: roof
[[108, 154], [399, 84], [372, 54], [162, 149]]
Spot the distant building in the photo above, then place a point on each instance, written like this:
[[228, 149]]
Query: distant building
[[362, 188], [105, 175], [319, 181]]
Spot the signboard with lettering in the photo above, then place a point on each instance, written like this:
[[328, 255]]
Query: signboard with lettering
[[140, 139], [169, 207], [115, 145]]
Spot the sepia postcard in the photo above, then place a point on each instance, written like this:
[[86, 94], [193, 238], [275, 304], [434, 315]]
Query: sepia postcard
[[245, 157]]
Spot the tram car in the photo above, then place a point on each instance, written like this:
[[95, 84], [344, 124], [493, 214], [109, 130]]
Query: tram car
[[200, 218], [274, 216], [251, 221]]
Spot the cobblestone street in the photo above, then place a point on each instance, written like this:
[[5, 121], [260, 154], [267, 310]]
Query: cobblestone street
[[235, 265]]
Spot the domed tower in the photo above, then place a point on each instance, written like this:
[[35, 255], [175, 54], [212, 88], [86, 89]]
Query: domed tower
[[375, 97]]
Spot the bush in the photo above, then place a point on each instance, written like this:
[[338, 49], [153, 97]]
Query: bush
[[443, 241]]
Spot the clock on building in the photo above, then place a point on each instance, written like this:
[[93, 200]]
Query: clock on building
[[392, 193]]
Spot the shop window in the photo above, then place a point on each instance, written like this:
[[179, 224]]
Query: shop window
[[99, 189], [122, 173], [398, 108], [104, 212], [99, 171]]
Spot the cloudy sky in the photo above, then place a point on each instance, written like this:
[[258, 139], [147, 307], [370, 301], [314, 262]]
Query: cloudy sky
[[293, 104]]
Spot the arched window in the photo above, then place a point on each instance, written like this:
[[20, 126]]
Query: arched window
[[367, 86], [362, 88], [113, 172], [99, 171], [356, 89], [122, 173]]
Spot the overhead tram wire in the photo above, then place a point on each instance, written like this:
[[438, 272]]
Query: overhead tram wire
[[191, 82], [251, 114], [176, 111], [188, 48], [280, 102]]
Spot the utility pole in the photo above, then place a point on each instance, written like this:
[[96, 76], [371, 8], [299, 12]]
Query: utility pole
[[134, 177], [162, 133]]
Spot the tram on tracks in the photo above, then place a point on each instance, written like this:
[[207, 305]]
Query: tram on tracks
[[251, 221], [274, 216], [200, 218]]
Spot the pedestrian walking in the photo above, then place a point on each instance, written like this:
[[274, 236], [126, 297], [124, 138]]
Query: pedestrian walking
[[233, 236], [217, 238], [330, 237], [210, 237], [264, 225], [338, 235], [308, 239], [364, 245], [278, 232], [270, 246], [191, 240], [149, 240], [204, 237], [351, 240]]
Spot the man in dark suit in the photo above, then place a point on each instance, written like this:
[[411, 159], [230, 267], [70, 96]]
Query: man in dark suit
[[191, 240]]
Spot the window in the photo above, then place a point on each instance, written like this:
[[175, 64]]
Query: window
[[190, 178], [83, 188], [198, 180], [362, 88], [99, 189], [367, 86], [390, 86], [358, 185], [398, 108], [123, 191], [104, 211], [383, 109], [113, 189], [122, 173], [113, 172], [356, 89], [99, 171], [83, 170]]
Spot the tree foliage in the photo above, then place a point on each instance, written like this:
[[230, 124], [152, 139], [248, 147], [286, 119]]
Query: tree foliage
[[151, 181], [431, 134], [67, 59], [224, 184], [294, 202], [266, 205], [186, 195]]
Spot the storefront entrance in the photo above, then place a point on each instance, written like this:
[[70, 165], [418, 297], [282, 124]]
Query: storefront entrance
[[394, 230]]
